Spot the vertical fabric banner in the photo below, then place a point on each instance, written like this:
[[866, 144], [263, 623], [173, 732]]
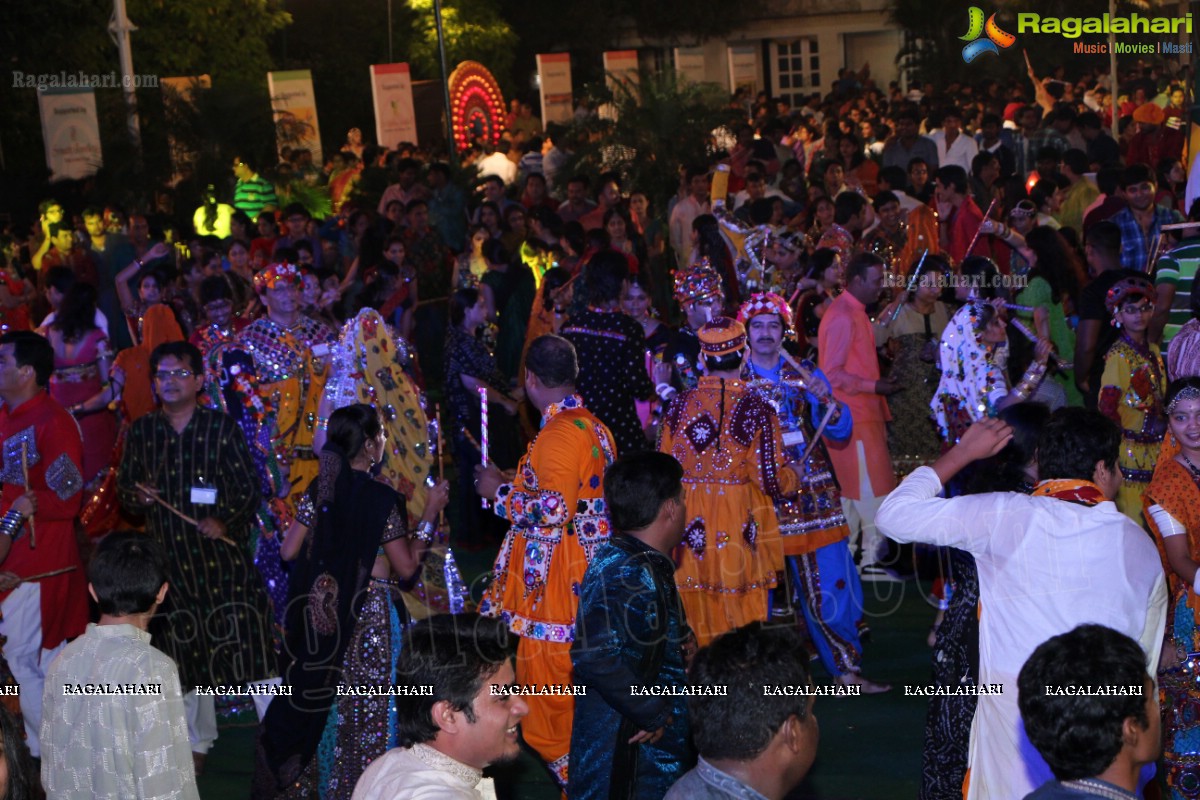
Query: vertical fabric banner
[[71, 131], [620, 68], [554, 74], [295, 109], [743, 68], [391, 92], [689, 63], [621, 64], [177, 94]]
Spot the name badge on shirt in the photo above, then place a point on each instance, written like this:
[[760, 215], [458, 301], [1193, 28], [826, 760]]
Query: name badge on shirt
[[204, 495], [320, 350]]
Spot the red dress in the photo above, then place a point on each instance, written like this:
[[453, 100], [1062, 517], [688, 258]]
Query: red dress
[[77, 379]]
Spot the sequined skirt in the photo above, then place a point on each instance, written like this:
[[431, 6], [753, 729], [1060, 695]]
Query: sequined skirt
[[1179, 691]]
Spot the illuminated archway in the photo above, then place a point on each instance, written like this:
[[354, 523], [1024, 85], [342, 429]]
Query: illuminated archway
[[476, 105]]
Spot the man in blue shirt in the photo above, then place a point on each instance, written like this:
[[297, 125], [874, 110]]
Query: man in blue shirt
[[1142, 220]]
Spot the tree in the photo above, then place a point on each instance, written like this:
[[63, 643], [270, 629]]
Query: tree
[[663, 122], [226, 39], [474, 31]]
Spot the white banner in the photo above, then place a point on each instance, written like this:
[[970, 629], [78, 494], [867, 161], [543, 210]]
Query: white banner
[[295, 109], [71, 131], [391, 91], [554, 74], [620, 67], [743, 68], [689, 63]]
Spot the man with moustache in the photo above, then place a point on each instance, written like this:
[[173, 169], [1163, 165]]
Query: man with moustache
[[185, 459], [458, 719], [822, 582]]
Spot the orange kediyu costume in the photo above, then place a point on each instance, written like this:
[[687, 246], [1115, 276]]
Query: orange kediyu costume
[[728, 440], [556, 507]]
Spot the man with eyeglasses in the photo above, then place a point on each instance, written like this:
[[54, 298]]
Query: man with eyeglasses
[[253, 193], [188, 470]]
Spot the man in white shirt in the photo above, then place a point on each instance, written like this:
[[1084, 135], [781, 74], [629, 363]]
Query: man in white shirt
[[685, 212], [460, 718], [1063, 557], [954, 146], [497, 162]]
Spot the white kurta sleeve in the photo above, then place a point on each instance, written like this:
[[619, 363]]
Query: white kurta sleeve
[[914, 512], [1151, 639]]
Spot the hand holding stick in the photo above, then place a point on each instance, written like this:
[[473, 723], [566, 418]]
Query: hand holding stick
[[152, 493]]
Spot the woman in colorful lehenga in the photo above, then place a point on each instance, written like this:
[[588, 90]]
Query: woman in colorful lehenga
[[350, 537], [1172, 503], [1131, 392]]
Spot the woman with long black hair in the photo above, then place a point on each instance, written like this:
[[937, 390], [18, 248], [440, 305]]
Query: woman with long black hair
[[351, 545]]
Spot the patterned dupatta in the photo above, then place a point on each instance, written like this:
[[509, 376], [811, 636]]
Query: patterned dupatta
[[1084, 493]]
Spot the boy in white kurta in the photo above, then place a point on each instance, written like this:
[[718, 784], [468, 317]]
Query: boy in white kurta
[[1047, 563]]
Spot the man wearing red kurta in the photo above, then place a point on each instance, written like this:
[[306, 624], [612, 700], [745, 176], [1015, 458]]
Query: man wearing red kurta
[[959, 217], [846, 348], [40, 615], [556, 506]]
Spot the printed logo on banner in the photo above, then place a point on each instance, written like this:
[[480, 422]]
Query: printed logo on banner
[[995, 41]]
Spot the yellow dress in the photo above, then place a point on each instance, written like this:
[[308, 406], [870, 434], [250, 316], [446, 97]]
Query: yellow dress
[[727, 438], [1131, 394], [291, 373]]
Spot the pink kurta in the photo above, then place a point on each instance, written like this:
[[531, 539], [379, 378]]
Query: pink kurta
[[846, 351]]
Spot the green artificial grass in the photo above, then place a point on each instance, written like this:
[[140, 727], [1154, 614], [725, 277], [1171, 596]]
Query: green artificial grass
[[870, 746]]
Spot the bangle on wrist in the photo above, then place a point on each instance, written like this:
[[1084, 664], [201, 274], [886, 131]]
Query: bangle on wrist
[[10, 523], [424, 531]]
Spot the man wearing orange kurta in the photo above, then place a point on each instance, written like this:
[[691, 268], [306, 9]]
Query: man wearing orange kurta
[[727, 438], [556, 506], [846, 351]]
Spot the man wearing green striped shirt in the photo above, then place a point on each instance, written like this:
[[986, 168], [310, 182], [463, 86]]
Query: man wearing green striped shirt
[[253, 193], [1173, 280]]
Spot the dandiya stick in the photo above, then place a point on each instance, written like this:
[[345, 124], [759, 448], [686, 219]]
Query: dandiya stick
[[483, 430], [49, 574], [441, 463], [471, 440], [153, 494], [25, 478]]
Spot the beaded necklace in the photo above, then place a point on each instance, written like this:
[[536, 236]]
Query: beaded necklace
[[1098, 788]]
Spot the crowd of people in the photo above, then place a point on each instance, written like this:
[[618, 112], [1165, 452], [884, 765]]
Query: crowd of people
[[876, 337]]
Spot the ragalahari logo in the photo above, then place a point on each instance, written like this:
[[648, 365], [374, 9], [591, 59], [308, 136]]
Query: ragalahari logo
[[996, 40]]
